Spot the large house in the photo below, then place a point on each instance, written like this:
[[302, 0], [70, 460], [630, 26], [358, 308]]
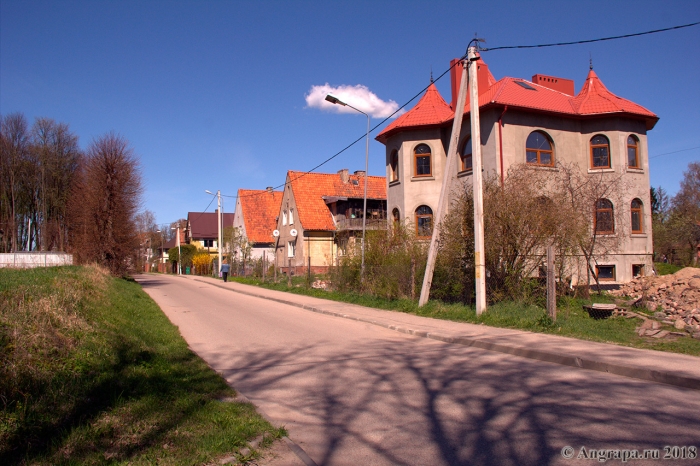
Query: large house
[[537, 123], [321, 217], [256, 219]]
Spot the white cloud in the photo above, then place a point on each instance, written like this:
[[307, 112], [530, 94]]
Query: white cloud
[[358, 96]]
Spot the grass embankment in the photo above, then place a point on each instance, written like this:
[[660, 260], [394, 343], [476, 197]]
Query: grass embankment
[[92, 372], [572, 320]]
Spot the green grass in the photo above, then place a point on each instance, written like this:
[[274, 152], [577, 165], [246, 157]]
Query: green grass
[[572, 320], [663, 268], [92, 372]]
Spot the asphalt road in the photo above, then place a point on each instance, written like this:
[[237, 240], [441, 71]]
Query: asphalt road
[[351, 393]]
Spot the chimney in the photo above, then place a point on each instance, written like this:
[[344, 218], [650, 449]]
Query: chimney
[[359, 173], [557, 84], [344, 175], [482, 75]]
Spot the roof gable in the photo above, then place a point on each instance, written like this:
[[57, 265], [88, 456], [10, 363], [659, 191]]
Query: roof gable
[[309, 189], [258, 211]]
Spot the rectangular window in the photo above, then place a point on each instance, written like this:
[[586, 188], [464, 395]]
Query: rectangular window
[[605, 272], [284, 217], [637, 270], [632, 159], [601, 158], [423, 166], [291, 216], [291, 248], [208, 243], [636, 222]]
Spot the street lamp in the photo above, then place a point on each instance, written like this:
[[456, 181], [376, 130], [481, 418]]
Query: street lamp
[[334, 100], [179, 250], [218, 219]]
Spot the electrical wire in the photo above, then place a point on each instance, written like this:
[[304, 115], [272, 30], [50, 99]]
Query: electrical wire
[[674, 152], [556, 44], [481, 49]]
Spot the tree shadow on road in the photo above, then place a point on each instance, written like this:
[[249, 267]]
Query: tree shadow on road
[[422, 402]]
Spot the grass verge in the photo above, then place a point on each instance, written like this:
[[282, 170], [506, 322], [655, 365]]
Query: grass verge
[[92, 372], [572, 320]]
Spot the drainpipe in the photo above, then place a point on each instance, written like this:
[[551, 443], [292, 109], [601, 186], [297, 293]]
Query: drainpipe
[[500, 142]]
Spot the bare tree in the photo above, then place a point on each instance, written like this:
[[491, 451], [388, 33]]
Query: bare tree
[[593, 223], [56, 156], [14, 149], [104, 201]]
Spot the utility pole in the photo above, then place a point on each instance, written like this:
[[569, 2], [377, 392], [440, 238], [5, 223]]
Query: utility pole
[[444, 192], [219, 218], [479, 260]]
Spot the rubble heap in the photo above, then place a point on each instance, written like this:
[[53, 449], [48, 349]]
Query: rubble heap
[[675, 298]]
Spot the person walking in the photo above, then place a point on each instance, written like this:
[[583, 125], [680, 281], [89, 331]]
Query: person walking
[[224, 270]]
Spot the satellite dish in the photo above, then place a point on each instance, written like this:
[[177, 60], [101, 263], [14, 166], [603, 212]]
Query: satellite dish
[[293, 232], [276, 233]]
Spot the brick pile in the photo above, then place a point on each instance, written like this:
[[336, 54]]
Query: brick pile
[[675, 298]]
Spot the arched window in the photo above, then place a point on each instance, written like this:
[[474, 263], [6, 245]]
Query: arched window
[[465, 156], [632, 152], [394, 166], [539, 149], [396, 217], [600, 152], [636, 212], [424, 221], [422, 160], [604, 220]]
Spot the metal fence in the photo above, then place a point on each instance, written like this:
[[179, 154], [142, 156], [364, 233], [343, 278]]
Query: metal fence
[[29, 260]]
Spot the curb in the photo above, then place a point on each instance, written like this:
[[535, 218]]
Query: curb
[[664, 377]]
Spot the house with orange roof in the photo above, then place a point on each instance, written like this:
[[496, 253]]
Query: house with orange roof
[[535, 123], [256, 220], [321, 216]]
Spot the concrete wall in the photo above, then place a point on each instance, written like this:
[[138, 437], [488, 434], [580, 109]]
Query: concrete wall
[[27, 260]]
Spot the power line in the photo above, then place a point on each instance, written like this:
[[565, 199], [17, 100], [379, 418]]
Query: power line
[[674, 152], [588, 41], [458, 61]]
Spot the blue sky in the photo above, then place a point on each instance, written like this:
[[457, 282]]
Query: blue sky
[[212, 94]]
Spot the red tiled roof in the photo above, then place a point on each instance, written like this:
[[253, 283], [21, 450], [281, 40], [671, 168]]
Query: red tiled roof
[[310, 188], [431, 109], [593, 100], [259, 209], [205, 225]]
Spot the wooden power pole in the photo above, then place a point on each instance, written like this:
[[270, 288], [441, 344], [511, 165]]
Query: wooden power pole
[[444, 192], [477, 177]]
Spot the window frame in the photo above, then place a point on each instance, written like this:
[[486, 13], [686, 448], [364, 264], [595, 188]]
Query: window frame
[[291, 216], [601, 210], [284, 217], [291, 248], [395, 217], [419, 217], [639, 211], [598, 146], [416, 156], [539, 152], [462, 156], [637, 164], [640, 267], [606, 279], [394, 166]]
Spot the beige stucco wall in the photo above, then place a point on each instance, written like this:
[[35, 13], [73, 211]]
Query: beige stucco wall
[[571, 145]]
